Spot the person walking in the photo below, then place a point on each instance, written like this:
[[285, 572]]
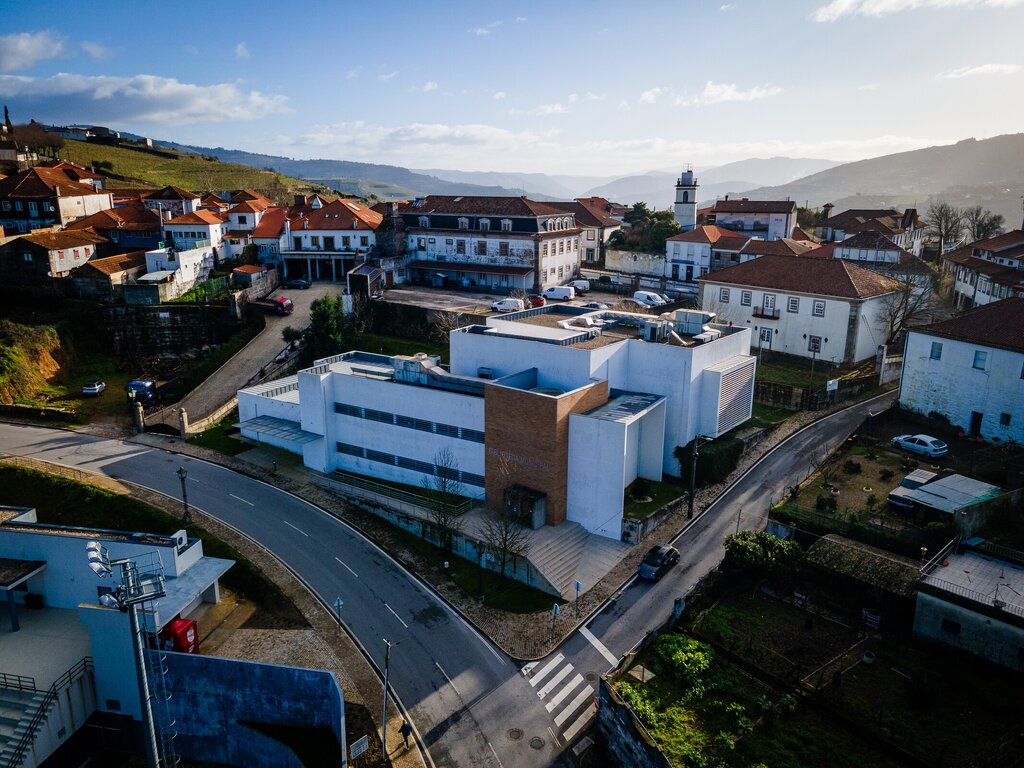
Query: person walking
[[406, 731]]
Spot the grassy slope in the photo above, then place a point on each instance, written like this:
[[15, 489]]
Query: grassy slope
[[191, 172]]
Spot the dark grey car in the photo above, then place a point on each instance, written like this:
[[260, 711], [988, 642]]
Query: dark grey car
[[657, 562]]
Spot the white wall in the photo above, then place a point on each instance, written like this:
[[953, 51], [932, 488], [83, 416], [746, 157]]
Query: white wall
[[952, 386], [597, 466]]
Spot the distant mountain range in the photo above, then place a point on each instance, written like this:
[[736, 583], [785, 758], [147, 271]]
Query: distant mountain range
[[986, 172]]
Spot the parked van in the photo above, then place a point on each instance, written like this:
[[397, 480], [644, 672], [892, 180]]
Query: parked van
[[560, 292], [508, 305], [649, 298], [580, 286]]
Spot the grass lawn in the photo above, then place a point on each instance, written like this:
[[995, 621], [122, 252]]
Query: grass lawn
[[110, 406], [219, 437], [767, 415], [61, 501], [394, 345], [660, 494], [793, 371], [499, 591]]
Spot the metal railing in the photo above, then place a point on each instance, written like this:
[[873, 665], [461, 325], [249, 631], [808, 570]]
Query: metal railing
[[976, 597], [65, 681], [770, 313], [17, 682], [425, 502]]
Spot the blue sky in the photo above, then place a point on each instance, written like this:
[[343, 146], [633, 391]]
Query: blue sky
[[594, 87]]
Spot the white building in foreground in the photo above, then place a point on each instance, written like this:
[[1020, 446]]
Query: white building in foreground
[[569, 404]]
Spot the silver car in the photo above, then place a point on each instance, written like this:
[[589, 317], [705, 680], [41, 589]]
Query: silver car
[[926, 445]]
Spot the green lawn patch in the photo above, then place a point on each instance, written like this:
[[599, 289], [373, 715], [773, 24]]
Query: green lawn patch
[[61, 501], [659, 494], [498, 591], [793, 371], [395, 345], [220, 437], [768, 415]]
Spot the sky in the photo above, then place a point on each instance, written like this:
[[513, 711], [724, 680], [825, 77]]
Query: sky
[[583, 87]]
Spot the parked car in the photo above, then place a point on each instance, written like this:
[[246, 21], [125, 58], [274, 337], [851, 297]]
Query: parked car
[[657, 562], [298, 282], [926, 445], [508, 305], [141, 391], [94, 388], [649, 298], [580, 286], [536, 300], [560, 292], [595, 305]]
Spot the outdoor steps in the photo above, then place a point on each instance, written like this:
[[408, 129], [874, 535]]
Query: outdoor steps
[[567, 553], [16, 710]]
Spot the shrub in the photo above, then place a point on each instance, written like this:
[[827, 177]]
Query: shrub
[[940, 417], [683, 657], [851, 467], [714, 461], [640, 489], [825, 504], [762, 555], [640, 703], [886, 474]]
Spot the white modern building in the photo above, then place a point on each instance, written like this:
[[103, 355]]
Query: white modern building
[[970, 369], [826, 309], [767, 219], [572, 404]]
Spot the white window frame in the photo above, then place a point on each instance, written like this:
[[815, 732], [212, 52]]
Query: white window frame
[[819, 308], [746, 298], [793, 304], [723, 295], [980, 355], [936, 351], [814, 344]]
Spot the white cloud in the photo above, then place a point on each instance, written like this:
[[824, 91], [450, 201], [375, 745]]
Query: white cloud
[[486, 29], [727, 7], [429, 86], [25, 49], [623, 104], [596, 96], [95, 50], [837, 9], [868, 87], [573, 98], [520, 19], [387, 76], [651, 95], [552, 109], [980, 69], [139, 98], [242, 51], [499, 95], [717, 93]]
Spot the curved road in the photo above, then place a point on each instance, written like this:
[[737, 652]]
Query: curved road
[[471, 704]]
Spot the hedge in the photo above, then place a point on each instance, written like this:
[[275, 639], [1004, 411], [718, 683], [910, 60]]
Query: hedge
[[715, 461]]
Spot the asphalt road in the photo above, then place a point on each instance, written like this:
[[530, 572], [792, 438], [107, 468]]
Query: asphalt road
[[470, 703]]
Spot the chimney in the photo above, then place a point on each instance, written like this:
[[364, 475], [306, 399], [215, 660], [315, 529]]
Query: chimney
[[826, 210], [299, 201]]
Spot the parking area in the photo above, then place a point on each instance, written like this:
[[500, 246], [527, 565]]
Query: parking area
[[468, 301]]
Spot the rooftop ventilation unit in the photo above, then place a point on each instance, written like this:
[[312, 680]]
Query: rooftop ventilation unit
[[654, 331]]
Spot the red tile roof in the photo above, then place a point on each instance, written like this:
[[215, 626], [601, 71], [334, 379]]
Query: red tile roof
[[339, 214], [743, 205], [75, 172], [250, 269], [202, 216], [781, 247], [709, 234], [999, 324], [45, 182], [271, 224], [171, 192], [587, 217], [999, 242], [128, 217], [823, 277], [479, 206], [251, 206], [111, 265], [55, 241], [248, 194], [801, 234]]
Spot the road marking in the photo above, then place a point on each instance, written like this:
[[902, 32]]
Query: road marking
[[581, 722], [398, 617], [194, 480], [564, 714], [495, 754], [553, 737], [550, 686], [241, 500], [447, 678], [297, 529], [346, 567], [608, 655], [566, 690], [528, 668], [547, 668]]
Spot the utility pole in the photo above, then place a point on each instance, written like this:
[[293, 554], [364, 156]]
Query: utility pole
[[698, 440], [186, 515], [384, 710]]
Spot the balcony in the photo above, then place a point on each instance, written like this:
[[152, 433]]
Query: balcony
[[767, 313], [516, 258]]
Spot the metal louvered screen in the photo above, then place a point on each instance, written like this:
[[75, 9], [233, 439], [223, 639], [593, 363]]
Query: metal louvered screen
[[734, 396]]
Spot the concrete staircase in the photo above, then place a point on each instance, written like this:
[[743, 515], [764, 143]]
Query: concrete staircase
[[16, 711], [567, 553]]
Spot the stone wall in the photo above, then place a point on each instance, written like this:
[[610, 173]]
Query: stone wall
[[635, 263], [622, 734], [166, 330], [219, 706]]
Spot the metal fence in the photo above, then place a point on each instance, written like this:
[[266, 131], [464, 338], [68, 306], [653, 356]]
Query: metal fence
[[397, 494]]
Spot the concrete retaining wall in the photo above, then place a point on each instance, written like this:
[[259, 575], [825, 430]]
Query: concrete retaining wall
[[622, 734], [212, 699]]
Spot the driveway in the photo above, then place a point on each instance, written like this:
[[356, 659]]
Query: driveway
[[236, 372]]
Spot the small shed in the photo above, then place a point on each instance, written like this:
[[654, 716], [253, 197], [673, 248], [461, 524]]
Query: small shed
[[247, 274]]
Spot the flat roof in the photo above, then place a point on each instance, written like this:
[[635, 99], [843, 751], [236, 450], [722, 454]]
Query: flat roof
[[982, 578], [13, 571], [625, 407], [950, 493], [154, 277], [283, 429]]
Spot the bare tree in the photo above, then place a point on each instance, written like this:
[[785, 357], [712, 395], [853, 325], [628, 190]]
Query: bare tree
[[443, 323], [944, 222], [360, 320], [506, 536], [910, 304], [822, 463], [445, 482], [982, 224]]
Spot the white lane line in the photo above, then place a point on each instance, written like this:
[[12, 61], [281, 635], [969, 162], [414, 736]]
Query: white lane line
[[241, 500], [297, 529], [608, 655], [447, 678], [495, 754], [194, 480], [398, 617], [566, 690], [550, 685], [346, 567], [581, 722], [553, 737], [564, 714], [547, 668]]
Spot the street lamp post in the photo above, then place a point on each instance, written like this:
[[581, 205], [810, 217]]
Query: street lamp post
[[698, 441], [384, 711], [186, 515]]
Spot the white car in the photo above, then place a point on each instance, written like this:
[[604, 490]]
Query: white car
[[94, 388], [926, 445]]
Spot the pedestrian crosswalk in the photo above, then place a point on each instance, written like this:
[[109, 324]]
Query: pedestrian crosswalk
[[565, 693]]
